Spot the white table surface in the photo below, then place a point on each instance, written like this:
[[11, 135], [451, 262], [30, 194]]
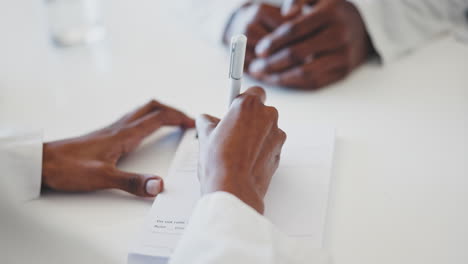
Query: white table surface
[[399, 191]]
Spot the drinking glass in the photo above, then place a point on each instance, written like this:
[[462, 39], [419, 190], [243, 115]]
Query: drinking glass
[[75, 22]]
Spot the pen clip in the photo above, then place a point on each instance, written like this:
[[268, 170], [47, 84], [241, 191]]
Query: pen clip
[[231, 63]]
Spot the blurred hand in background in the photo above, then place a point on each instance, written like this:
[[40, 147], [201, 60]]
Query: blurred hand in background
[[314, 43]]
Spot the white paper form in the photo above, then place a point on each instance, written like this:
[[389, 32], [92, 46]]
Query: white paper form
[[296, 201]]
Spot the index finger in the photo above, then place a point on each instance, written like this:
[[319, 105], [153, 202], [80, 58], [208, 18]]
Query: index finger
[[141, 111], [292, 7], [144, 110], [205, 125], [290, 32], [131, 135], [269, 16]]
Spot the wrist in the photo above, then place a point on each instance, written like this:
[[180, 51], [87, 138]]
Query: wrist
[[368, 45], [47, 161]]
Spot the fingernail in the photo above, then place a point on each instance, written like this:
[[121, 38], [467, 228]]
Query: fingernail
[[272, 79], [261, 47], [256, 66], [290, 11], [153, 187], [285, 10]]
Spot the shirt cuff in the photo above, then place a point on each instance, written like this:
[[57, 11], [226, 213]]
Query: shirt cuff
[[399, 27], [21, 163]]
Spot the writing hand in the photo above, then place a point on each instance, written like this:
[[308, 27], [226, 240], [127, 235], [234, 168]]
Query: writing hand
[[240, 153]]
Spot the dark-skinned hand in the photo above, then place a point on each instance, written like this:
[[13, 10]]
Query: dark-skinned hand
[[88, 163], [312, 49], [240, 153]]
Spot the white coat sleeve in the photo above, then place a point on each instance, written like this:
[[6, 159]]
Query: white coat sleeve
[[397, 27], [21, 163], [224, 230]]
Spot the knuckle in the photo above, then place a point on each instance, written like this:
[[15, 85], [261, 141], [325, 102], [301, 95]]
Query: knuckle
[[166, 115], [292, 55], [289, 28], [153, 102], [121, 134], [114, 135], [105, 171], [247, 100], [272, 112], [282, 135]]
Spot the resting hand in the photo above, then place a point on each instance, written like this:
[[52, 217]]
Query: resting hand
[[240, 153], [88, 163], [254, 21], [314, 49]]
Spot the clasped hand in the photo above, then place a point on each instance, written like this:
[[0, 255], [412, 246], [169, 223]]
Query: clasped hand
[[305, 50]]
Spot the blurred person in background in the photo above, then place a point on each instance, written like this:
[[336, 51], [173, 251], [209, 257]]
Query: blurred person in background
[[309, 44]]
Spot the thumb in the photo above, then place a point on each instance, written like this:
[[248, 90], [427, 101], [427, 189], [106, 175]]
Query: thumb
[[138, 184], [292, 8], [205, 125]]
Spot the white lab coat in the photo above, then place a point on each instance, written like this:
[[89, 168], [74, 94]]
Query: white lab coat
[[222, 229], [396, 27]]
